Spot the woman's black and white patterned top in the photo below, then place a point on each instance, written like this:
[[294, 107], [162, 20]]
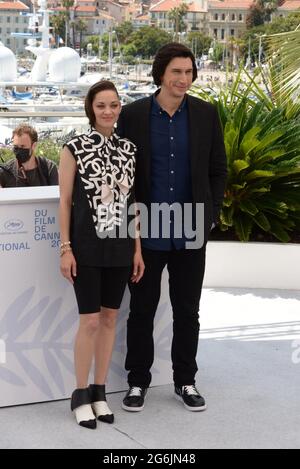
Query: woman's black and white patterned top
[[102, 194], [106, 167]]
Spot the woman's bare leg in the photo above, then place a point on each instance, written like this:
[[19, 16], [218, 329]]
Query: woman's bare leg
[[85, 347], [104, 343]]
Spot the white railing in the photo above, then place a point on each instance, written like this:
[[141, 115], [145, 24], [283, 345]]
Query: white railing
[[23, 114]]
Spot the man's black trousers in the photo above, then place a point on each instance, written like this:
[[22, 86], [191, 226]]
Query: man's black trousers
[[186, 271]]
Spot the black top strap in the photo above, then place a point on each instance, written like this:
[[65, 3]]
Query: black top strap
[[80, 397], [44, 169]]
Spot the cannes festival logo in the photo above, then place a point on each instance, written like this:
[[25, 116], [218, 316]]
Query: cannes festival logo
[[39, 337], [13, 225]]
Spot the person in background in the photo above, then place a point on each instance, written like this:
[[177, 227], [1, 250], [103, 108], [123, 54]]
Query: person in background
[[26, 169], [96, 178]]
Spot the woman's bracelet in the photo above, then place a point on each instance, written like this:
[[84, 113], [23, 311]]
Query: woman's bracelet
[[66, 243], [65, 249]]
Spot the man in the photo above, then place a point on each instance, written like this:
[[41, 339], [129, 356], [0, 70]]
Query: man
[[26, 169], [181, 159]]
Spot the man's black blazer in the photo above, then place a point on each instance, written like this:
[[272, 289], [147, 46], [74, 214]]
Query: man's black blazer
[[207, 152]]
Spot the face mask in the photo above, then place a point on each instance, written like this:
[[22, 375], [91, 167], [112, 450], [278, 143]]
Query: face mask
[[22, 154]]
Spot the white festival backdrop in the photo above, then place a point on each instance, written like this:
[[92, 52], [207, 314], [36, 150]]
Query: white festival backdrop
[[38, 312]]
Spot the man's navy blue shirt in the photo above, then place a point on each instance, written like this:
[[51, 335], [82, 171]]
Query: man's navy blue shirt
[[170, 168]]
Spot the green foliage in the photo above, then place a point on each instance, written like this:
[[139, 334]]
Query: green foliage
[[199, 42], [255, 16], [57, 22], [177, 15], [5, 154], [130, 59], [47, 148], [283, 72], [129, 49], [50, 149], [260, 12], [217, 53], [94, 40], [281, 25], [143, 42], [278, 25], [262, 144], [148, 40], [124, 31]]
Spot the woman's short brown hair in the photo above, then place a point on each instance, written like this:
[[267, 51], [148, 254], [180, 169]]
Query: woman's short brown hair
[[102, 85], [26, 129], [164, 56]]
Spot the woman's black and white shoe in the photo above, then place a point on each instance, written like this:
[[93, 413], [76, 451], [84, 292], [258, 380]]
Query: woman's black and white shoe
[[99, 404], [81, 406]]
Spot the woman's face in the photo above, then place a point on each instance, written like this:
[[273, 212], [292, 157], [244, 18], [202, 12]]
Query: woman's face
[[107, 108]]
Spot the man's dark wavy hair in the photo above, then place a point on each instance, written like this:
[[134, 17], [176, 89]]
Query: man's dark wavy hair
[[164, 56]]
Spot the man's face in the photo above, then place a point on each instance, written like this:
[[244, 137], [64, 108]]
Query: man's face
[[178, 77], [23, 148], [23, 141]]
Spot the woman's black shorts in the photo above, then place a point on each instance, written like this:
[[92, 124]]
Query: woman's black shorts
[[100, 286]]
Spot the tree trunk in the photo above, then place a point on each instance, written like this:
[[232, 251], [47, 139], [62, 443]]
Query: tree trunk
[[80, 42], [176, 27]]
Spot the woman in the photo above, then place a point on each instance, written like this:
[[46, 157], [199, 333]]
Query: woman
[[96, 176]]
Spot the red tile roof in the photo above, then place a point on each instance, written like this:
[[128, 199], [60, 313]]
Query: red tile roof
[[13, 6], [231, 4], [87, 8], [290, 5], [142, 18], [133, 8], [167, 5]]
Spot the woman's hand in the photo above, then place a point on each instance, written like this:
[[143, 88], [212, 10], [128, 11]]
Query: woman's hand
[[138, 266], [68, 266]]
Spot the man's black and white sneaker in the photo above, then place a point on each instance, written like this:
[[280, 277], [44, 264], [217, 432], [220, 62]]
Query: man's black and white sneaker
[[134, 399], [190, 397]]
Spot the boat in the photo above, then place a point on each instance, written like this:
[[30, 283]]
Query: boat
[[17, 95]]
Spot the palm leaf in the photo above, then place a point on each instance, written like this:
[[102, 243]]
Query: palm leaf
[[284, 48], [259, 174], [277, 229], [243, 227], [249, 207], [262, 143], [239, 165], [262, 221]]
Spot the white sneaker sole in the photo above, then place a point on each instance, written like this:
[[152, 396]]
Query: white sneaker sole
[[192, 409], [132, 409]]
